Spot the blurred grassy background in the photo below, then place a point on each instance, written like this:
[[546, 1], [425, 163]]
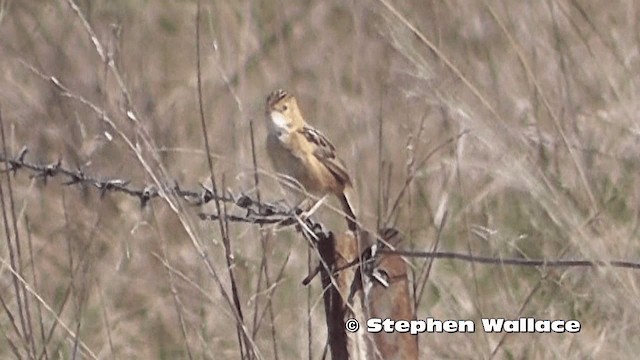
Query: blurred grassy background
[[547, 91]]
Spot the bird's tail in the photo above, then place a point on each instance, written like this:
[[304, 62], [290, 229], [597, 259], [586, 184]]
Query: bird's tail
[[350, 216]]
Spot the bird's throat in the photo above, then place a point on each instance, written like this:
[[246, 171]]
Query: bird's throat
[[279, 125]]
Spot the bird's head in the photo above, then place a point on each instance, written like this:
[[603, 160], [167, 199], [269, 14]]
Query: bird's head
[[282, 111]]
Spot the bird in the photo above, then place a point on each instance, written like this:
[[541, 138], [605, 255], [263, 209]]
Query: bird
[[299, 151]]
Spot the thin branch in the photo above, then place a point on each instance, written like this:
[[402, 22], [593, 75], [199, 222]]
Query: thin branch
[[15, 258], [243, 339]]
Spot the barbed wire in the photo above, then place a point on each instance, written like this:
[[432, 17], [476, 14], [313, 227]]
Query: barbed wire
[[256, 212], [146, 193], [513, 261], [261, 212]]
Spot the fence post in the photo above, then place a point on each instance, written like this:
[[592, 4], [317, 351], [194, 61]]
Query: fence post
[[362, 297]]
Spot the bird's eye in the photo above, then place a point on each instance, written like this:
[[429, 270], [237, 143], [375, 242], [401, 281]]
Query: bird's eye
[[285, 108]]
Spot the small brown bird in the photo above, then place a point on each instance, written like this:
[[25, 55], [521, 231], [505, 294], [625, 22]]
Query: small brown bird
[[303, 153]]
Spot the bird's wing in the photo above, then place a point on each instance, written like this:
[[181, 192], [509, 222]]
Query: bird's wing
[[324, 151]]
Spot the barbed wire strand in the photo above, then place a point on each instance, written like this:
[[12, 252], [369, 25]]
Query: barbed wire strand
[[514, 261], [261, 212]]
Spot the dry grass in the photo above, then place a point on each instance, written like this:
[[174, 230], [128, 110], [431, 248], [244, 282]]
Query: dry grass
[[547, 169]]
